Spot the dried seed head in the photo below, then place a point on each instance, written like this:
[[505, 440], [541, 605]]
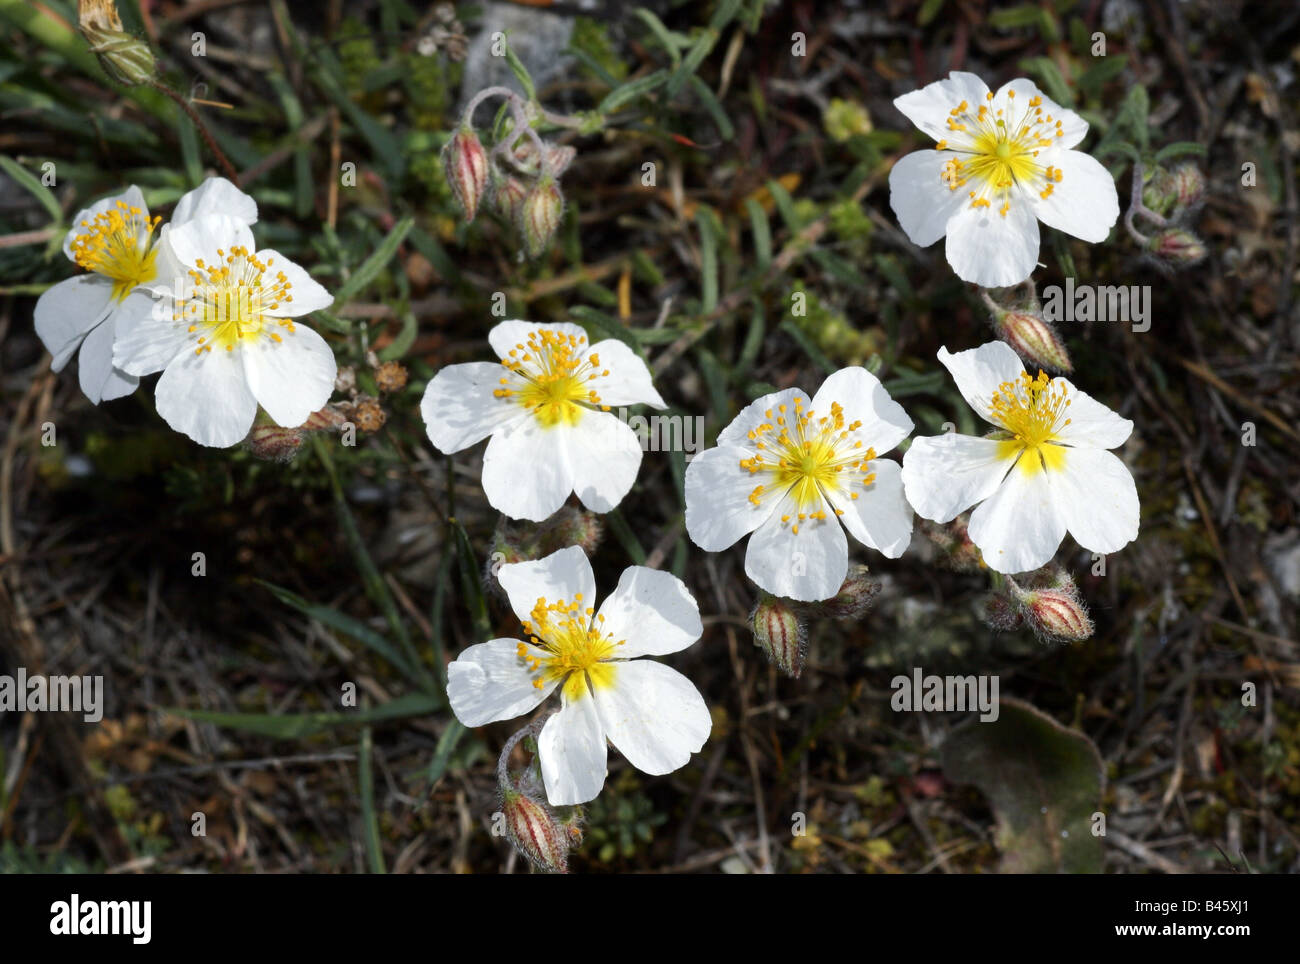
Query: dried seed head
[[390, 377], [369, 415]]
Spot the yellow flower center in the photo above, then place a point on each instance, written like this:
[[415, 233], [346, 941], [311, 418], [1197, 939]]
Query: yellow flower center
[[999, 151], [118, 244], [551, 377], [576, 649], [1033, 411], [808, 456], [228, 301]]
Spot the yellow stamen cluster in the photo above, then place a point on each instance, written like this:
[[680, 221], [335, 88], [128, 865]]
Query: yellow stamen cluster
[[1033, 410], [119, 245], [576, 648], [807, 455], [999, 153], [229, 300], [551, 377]]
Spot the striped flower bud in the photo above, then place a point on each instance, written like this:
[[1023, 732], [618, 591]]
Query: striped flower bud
[[508, 197], [1033, 339], [780, 632], [274, 443], [1177, 247], [1056, 612], [536, 832], [540, 216], [559, 156], [856, 596], [1188, 185], [126, 59], [466, 164], [571, 527]]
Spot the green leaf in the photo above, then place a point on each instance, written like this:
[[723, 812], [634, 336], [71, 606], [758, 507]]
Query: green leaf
[[1044, 69], [762, 233], [32, 183], [702, 47], [637, 87], [671, 41], [606, 325], [708, 258], [295, 726], [1044, 782], [443, 751], [809, 346], [373, 265], [625, 536], [710, 101], [1101, 73], [1178, 149], [344, 624], [520, 72], [471, 581], [401, 344]]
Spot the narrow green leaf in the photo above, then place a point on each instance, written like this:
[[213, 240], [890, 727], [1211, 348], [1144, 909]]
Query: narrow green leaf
[[32, 183], [366, 790], [710, 101], [295, 726], [762, 233], [809, 347], [638, 87], [1178, 149], [708, 258], [520, 72], [669, 40], [401, 344], [373, 265]]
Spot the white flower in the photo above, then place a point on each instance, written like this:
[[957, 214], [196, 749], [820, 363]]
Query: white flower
[[1045, 471], [652, 714], [791, 472], [225, 339], [1003, 162], [120, 246], [546, 406]]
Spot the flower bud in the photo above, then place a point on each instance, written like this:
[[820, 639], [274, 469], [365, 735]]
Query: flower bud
[[1158, 193], [856, 596], [508, 197], [328, 419], [780, 632], [1033, 339], [126, 59], [1056, 612], [953, 540], [390, 377], [1188, 185], [507, 548], [466, 164], [1001, 613], [1177, 247], [571, 527], [540, 216], [559, 156], [274, 443], [536, 832]]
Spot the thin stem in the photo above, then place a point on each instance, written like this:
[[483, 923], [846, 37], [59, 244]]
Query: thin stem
[[467, 119], [226, 167], [532, 729]]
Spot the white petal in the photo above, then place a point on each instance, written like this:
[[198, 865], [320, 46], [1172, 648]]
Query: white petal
[[489, 682], [653, 611], [100, 381], [572, 748], [199, 239], [526, 472], [755, 414], [216, 195], [511, 334], [979, 372], [1084, 203], [206, 397], [988, 249], [560, 576], [921, 201], [884, 423], [131, 197], [290, 378], [806, 566], [1096, 496], [880, 516], [944, 475], [928, 107], [68, 310], [603, 455], [306, 294], [628, 381], [1092, 424], [148, 340], [1019, 527], [718, 510], [459, 408], [1073, 126], [653, 715]]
